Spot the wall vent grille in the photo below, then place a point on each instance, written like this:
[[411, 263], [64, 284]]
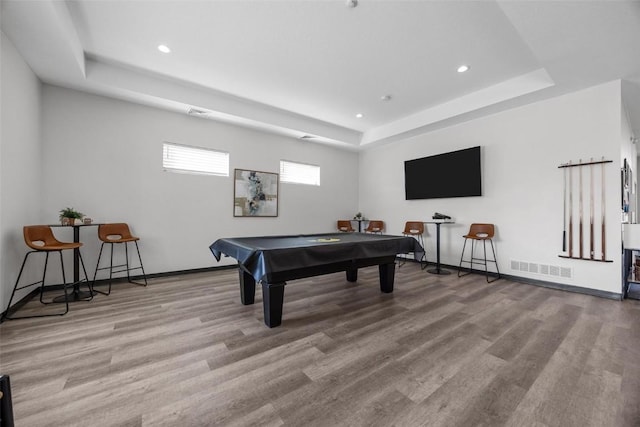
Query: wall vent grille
[[542, 269]]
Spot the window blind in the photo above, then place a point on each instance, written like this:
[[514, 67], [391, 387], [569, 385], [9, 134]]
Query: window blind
[[299, 173], [195, 160]]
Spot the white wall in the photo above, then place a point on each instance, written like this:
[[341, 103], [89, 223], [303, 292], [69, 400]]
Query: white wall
[[104, 158], [20, 164], [522, 185]]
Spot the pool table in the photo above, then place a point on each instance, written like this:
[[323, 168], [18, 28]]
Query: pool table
[[273, 260]]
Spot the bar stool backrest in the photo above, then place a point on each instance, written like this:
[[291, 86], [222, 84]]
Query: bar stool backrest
[[414, 228], [115, 232], [481, 231], [40, 238], [345, 225], [375, 226]]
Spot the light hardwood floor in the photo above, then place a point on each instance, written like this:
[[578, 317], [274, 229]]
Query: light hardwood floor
[[439, 351]]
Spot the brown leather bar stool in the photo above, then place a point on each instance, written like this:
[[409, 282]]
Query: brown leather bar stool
[[375, 226], [345, 226], [40, 239], [112, 234], [482, 233], [416, 229]]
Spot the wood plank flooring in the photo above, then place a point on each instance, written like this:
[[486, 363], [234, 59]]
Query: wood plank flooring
[[439, 351]]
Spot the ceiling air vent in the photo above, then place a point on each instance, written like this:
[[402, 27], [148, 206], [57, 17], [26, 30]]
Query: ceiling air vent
[[196, 112]]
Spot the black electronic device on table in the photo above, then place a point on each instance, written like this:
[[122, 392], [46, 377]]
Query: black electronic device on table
[[440, 216]]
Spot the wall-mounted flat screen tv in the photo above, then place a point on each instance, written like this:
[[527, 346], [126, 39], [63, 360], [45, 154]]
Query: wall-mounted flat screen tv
[[454, 174]]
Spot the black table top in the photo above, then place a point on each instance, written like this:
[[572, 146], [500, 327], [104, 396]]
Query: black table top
[[264, 255]]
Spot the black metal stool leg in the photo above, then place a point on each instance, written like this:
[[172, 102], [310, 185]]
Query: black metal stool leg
[[95, 274], [111, 269], [127, 267], [86, 277], [486, 266], [495, 261], [64, 284], [494, 257], [483, 261], [126, 260], [473, 245], [461, 259], [424, 253], [44, 274], [5, 315], [144, 275], [484, 232]]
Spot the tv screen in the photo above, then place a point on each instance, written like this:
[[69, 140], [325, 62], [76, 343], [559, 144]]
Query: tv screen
[[454, 174]]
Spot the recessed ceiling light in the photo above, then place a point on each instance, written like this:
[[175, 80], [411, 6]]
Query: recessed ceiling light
[[164, 48], [359, 115], [463, 68], [385, 98]]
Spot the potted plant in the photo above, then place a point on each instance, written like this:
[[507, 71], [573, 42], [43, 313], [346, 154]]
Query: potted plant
[[358, 216], [68, 216]]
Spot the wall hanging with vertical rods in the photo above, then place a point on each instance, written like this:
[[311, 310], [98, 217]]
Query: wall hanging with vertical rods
[[596, 197]]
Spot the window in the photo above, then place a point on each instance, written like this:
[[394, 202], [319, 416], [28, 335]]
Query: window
[[195, 160], [299, 173]]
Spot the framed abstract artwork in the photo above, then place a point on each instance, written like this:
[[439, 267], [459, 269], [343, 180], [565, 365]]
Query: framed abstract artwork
[[255, 193]]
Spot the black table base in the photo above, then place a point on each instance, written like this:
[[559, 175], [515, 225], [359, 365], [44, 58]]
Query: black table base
[[438, 270], [273, 292], [75, 295]]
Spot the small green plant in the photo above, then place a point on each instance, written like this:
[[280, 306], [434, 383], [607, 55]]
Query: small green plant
[[70, 213]]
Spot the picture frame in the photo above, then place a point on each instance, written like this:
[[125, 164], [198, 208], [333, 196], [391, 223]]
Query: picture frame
[[255, 193]]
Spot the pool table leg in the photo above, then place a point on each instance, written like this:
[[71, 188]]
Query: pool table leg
[[387, 274], [247, 288], [352, 275], [272, 299]]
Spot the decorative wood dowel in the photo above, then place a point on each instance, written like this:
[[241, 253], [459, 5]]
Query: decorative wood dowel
[[569, 188]]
